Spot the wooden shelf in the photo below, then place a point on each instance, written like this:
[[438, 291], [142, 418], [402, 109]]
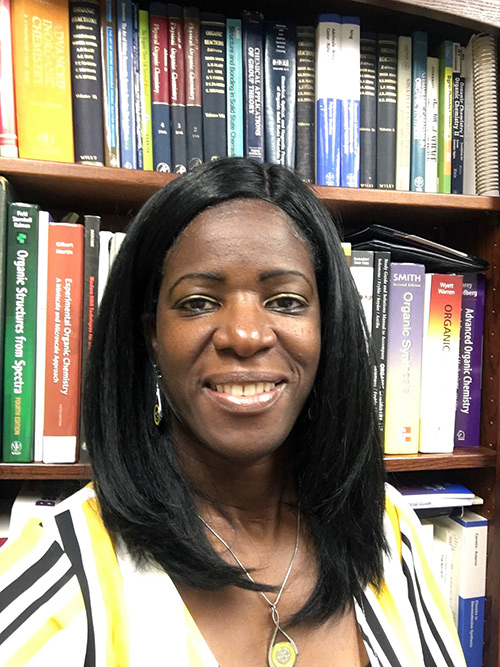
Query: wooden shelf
[[45, 471], [461, 457]]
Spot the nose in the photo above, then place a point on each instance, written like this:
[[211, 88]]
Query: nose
[[244, 327]]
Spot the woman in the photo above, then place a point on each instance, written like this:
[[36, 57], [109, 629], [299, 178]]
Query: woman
[[239, 514]]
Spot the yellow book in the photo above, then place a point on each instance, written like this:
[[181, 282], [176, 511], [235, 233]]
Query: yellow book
[[147, 131], [42, 79]]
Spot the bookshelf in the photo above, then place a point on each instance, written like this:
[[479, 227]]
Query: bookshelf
[[466, 222]]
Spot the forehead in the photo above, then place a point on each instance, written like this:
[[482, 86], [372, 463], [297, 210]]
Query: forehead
[[249, 231]]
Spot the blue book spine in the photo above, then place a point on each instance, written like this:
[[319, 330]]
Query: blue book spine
[[213, 68], [234, 99], [160, 85], [328, 103], [471, 629], [125, 85], [253, 84], [350, 123], [418, 114], [176, 51], [112, 94], [137, 85]]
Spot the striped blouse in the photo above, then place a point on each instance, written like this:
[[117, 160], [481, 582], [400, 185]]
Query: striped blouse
[[70, 597]]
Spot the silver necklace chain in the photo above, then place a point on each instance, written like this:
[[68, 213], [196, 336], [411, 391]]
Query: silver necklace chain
[[289, 650]]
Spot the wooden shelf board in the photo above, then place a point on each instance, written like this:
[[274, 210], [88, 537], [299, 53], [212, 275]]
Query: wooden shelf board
[[45, 471], [461, 457]]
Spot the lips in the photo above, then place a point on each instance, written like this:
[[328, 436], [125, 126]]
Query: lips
[[245, 396]]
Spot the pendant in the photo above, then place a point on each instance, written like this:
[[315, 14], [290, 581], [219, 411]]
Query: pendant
[[282, 654]]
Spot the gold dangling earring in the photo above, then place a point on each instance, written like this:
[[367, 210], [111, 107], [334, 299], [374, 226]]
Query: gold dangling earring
[[158, 409]]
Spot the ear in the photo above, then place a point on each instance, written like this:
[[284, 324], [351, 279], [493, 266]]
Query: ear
[[149, 328]]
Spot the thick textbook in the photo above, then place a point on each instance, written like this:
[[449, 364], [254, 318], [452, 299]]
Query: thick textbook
[[20, 332], [8, 127], [387, 96], [64, 342], [445, 115], [470, 362], [404, 107], [128, 157], [253, 84], [350, 102], [418, 113], [431, 126], [194, 110], [160, 88], [109, 66], [177, 87], [305, 115], [234, 97], [145, 90], [368, 110], [213, 71], [404, 357], [362, 269], [380, 314], [7, 196], [42, 79]]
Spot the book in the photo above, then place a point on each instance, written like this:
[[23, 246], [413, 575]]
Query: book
[[431, 125], [86, 81], [41, 332], [280, 83], [42, 79], [194, 110], [441, 336], [457, 122], [8, 127], [368, 110], [362, 269], [177, 88], [234, 84], [126, 106], [213, 72], [469, 186], [328, 75], [105, 237], [403, 113], [305, 129], [109, 69], [470, 362], [467, 536], [7, 196], [404, 357], [137, 87], [115, 242], [145, 71], [160, 88], [387, 97], [20, 332], [253, 84], [445, 53], [418, 112], [435, 494], [350, 101], [380, 312], [64, 342], [92, 225]]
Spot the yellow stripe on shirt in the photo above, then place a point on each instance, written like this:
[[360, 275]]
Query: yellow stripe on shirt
[[25, 543]]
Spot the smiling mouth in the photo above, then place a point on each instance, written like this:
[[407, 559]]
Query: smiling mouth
[[246, 389], [246, 397]]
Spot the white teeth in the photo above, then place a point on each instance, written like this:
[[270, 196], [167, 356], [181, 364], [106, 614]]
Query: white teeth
[[249, 389]]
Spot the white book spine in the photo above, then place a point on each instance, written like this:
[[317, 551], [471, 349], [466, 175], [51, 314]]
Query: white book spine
[[104, 242], [431, 127], [403, 120]]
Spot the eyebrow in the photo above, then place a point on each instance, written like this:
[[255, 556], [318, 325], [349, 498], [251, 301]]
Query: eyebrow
[[277, 273], [200, 275]]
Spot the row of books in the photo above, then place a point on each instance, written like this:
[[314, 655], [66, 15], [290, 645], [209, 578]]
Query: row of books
[[427, 332], [168, 87]]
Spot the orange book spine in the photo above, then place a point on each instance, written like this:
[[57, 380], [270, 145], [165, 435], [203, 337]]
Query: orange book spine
[[64, 342], [8, 132], [42, 79]]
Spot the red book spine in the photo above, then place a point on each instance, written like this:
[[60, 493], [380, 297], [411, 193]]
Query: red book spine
[[177, 87], [8, 130], [64, 342]]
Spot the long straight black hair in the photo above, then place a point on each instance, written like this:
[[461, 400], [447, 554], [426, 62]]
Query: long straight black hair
[[338, 467]]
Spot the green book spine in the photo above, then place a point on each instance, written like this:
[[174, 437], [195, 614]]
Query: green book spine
[[147, 131], [20, 330], [445, 115]]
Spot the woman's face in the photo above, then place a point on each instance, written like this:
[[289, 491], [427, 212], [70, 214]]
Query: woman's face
[[237, 331]]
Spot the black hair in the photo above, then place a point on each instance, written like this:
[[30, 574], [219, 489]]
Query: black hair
[[144, 496]]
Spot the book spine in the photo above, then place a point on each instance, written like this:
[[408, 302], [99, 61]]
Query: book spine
[[177, 88], [387, 97], [8, 129], [382, 261], [136, 87], [128, 157], [41, 322], [418, 115], [160, 88], [469, 187], [457, 122], [403, 111], [234, 93], [213, 69], [362, 270], [145, 79], [253, 84], [468, 414], [368, 110], [280, 76], [7, 196], [42, 79], [328, 74], [20, 333], [105, 237], [445, 115], [305, 113], [441, 337], [92, 225], [64, 342], [194, 111], [431, 126], [109, 68], [86, 81], [350, 101], [404, 356]]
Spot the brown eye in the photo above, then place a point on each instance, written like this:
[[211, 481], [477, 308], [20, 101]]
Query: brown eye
[[286, 303], [196, 305]]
